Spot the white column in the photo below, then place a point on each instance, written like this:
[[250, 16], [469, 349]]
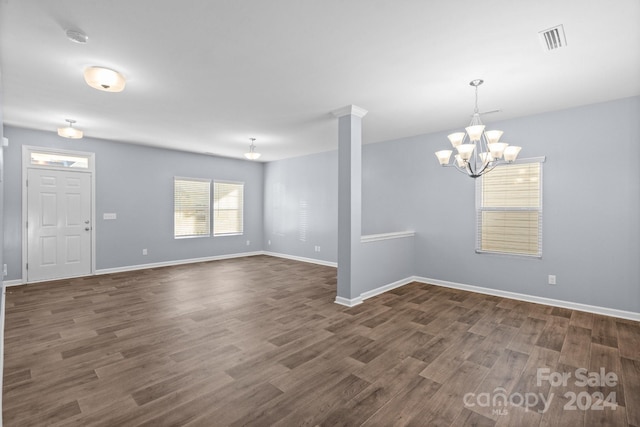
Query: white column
[[349, 200]]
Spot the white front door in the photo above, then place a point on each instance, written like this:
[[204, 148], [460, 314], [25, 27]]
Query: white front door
[[58, 224]]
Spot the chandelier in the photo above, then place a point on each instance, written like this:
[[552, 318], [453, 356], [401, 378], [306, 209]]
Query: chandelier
[[479, 150]]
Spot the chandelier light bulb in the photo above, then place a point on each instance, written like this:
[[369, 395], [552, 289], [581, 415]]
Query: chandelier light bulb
[[497, 149], [444, 156], [456, 138], [511, 153], [493, 135], [465, 150]]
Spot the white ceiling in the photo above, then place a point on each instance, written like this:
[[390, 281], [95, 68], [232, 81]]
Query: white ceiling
[[205, 76]]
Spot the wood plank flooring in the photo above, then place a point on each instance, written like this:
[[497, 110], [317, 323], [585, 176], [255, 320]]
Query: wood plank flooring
[[259, 341]]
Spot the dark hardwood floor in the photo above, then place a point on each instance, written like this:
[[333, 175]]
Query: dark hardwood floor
[[259, 341]]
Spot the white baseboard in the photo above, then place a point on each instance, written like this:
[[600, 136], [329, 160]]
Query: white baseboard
[[175, 262], [372, 293], [15, 282], [605, 311], [126, 268], [348, 302], [303, 259], [385, 288]]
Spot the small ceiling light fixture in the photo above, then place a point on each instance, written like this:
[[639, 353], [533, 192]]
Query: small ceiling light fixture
[[252, 155], [104, 79], [479, 151], [77, 36], [70, 131]]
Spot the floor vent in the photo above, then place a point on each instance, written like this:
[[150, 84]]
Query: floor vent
[[553, 38]]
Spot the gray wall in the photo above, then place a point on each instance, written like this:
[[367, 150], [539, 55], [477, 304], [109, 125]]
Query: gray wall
[[591, 230], [301, 206], [136, 183], [388, 170], [591, 235]]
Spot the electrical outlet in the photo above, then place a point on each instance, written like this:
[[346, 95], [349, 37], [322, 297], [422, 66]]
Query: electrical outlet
[[269, 242], [145, 252], [4, 270], [248, 242], [552, 279]]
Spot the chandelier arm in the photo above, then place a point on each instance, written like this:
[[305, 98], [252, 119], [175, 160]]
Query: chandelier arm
[[468, 171], [461, 170], [475, 110], [489, 167], [468, 168]]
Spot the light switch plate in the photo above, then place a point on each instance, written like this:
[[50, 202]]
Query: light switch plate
[[109, 216]]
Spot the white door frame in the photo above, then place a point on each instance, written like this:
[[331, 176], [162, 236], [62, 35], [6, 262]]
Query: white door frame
[[26, 165]]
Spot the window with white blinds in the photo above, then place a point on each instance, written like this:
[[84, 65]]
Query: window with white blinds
[[228, 200], [509, 209], [191, 207]]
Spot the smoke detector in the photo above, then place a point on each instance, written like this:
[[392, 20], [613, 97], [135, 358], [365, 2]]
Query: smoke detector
[[77, 36], [553, 38]]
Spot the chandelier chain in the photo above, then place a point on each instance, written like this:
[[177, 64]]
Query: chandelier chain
[[476, 109]]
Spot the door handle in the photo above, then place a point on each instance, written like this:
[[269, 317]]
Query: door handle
[[86, 222]]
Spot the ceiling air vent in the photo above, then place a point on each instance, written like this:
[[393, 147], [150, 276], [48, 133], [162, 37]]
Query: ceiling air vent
[[553, 38]]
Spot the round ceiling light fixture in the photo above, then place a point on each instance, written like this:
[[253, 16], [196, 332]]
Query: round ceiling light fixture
[[69, 131], [104, 79]]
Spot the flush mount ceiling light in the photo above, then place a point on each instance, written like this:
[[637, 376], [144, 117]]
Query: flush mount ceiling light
[[104, 79], [479, 151], [70, 131], [252, 155]]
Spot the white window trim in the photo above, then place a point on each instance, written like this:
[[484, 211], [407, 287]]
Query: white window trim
[[28, 149], [540, 210]]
